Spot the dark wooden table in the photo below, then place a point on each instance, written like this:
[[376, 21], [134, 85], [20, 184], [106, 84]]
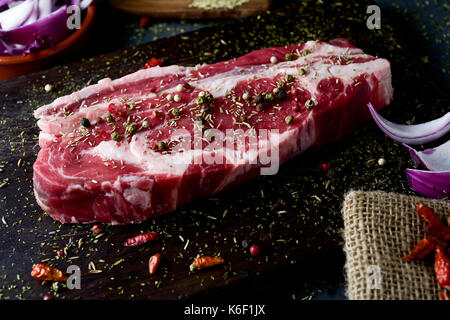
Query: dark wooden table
[[294, 216]]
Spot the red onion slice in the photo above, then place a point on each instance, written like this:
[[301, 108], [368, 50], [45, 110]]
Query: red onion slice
[[45, 8], [30, 25], [44, 32], [5, 2], [413, 134], [434, 184], [16, 16], [435, 159]]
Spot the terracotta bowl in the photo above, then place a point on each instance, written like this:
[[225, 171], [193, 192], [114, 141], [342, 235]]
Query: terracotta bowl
[[14, 66]]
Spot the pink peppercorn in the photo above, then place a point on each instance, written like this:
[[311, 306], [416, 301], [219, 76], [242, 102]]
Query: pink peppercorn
[[96, 229], [255, 250]]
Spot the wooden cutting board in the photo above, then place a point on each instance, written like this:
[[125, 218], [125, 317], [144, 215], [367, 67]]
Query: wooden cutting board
[[294, 216], [182, 9]]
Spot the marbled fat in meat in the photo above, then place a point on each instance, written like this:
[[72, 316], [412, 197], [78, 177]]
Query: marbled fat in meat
[[82, 175]]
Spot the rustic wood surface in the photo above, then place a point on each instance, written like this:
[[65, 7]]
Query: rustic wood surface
[[294, 216], [181, 9]]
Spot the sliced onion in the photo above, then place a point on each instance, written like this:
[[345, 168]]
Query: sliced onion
[[5, 2], [34, 24], [435, 159], [34, 14], [41, 34], [16, 16], [413, 134], [434, 184], [45, 8], [85, 3]]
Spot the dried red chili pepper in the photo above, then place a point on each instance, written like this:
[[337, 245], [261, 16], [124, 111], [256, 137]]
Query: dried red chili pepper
[[46, 272], [141, 238], [153, 62], [439, 231], [422, 249], [325, 166], [153, 263], [47, 297], [427, 213], [143, 22], [442, 267], [444, 295], [435, 226], [205, 262]]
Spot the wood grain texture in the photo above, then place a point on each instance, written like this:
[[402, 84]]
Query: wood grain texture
[[294, 216], [180, 9]]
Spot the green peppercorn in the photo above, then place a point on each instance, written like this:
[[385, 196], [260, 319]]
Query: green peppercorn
[[289, 77], [200, 100], [116, 136], [289, 56], [281, 85], [162, 146], [176, 112], [289, 119], [109, 117], [269, 97], [130, 129], [302, 71], [309, 104]]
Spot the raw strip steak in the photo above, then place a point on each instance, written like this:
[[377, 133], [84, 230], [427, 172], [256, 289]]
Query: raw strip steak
[[127, 150]]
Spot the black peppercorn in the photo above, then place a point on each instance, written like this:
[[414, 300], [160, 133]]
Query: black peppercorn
[[260, 99], [85, 122], [282, 95]]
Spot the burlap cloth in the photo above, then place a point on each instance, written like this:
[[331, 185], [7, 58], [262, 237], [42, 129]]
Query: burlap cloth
[[380, 228]]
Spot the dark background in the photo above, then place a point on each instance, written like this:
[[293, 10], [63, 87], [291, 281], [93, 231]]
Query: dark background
[[429, 24], [318, 278]]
